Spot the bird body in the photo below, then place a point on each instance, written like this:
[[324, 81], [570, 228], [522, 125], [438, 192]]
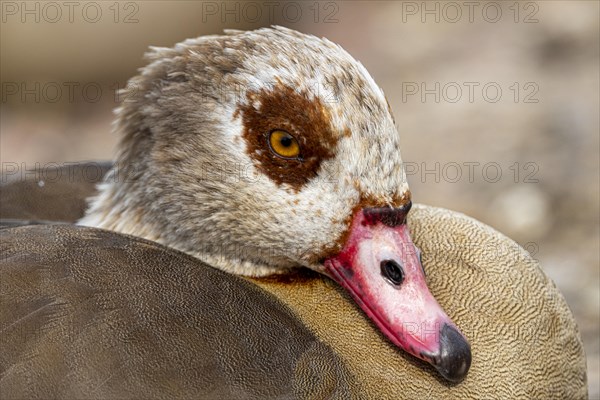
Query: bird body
[[151, 322], [272, 155], [324, 187]]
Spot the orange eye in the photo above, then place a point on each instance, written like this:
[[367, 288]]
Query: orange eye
[[283, 144]]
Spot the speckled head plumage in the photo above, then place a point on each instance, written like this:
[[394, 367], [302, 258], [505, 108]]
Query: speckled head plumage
[[199, 170], [195, 171]]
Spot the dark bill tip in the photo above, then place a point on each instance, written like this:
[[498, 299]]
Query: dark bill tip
[[454, 359]]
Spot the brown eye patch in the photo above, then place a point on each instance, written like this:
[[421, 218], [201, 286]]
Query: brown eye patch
[[306, 119]]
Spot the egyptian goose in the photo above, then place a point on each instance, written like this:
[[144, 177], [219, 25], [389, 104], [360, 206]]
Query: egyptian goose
[[260, 152], [237, 150]]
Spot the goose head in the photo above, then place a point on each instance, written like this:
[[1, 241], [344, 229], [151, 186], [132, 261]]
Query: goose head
[[265, 151]]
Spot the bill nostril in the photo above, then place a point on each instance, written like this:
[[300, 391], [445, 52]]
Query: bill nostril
[[392, 271]]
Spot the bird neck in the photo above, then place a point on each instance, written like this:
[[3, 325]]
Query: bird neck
[[117, 207]]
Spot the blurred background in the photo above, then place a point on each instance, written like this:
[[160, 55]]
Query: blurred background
[[497, 103]]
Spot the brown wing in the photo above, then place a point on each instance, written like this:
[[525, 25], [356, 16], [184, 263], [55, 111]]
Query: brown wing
[[49, 193], [89, 314]]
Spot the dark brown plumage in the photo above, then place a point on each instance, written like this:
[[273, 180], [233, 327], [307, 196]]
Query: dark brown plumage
[[91, 314]]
